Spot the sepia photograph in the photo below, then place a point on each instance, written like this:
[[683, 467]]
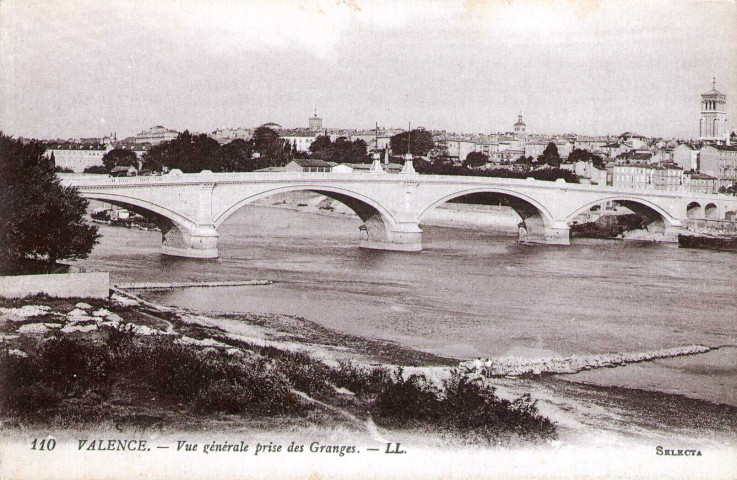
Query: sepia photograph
[[366, 239]]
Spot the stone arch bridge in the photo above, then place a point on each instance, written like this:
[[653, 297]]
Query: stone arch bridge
[[190, 207]]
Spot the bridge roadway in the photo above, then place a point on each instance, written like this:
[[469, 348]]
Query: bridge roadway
[[190, 207]]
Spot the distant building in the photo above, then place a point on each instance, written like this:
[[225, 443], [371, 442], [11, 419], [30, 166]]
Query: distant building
[[633, 176], [156, 135], [634, 157], [487, 148], [225, 135], [713, 124], [587, 171], [520, 129], [686, 156], [315, 122], [668, 178], [458, 149], [308, 165], [700, 183], [593, 145], [138, 148], [633, 139], [535, 148], [77, 156], [719, 161], [301, 141]]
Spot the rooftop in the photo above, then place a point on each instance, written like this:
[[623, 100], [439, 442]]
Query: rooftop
[[311, 162]]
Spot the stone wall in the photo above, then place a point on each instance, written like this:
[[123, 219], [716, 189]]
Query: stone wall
[[63, 285], [711, 226]]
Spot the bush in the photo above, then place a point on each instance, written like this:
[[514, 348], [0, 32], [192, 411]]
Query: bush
[[407, 402], [360, 380], [72, 367], [462, 407]]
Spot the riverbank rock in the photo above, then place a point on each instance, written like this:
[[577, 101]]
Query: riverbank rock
[[24, 312]]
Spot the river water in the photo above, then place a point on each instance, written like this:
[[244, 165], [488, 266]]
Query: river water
[[469, 293]]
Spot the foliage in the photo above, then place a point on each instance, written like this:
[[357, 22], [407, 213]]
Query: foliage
[[99, 169], [39, 217], [463, 406], [321, 147], [447, 168], [422, 142], [340, 151], [236, 156], [118, 157], [582, 155], [188, 153], [476, 159], [162, 370], [64, 375], [550, 156], [273, 150]]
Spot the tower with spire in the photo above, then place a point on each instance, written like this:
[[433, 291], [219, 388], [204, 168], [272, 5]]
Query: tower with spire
[[713, 125], [520, 129], [315, 122]]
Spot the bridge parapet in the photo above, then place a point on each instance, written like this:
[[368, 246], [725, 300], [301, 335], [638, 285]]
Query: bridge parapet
[[190, 207]]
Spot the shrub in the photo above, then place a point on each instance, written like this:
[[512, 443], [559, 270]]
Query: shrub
[[406, 402], [358, 379], [72, 367], [462, 407], [32, 400]]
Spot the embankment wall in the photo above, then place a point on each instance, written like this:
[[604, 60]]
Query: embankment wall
[[62, 285]]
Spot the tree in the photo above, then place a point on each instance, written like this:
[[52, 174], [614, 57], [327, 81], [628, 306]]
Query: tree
[[476, 159], [119, 157], [581, 155], [550, 156], [189, 153], [40, 219], [321, 147], [274, 151], [421, 139], [340, 151], [235, 156], [347, 151]]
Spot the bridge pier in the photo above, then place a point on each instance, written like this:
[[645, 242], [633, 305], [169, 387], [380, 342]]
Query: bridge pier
[[555, 234], [404, 237], [199, 242]]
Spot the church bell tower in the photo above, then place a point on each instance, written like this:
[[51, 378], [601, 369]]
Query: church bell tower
[[713, 125]]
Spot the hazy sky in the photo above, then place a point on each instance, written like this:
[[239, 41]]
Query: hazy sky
[[80, 68]]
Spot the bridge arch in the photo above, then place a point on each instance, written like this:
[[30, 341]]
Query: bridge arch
[[649, 210], [180, 235], [655, 219], [711, 211], [538, 224], [378, 221], [694, 210]]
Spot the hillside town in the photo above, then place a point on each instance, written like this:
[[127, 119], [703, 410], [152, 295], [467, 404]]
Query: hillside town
[[706, 164]]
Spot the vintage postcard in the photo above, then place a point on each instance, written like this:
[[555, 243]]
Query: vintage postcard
[[368, 239]]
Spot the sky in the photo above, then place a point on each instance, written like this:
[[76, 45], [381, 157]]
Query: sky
[[84, 68]]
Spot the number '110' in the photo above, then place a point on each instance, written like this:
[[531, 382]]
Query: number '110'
[[43, 444]]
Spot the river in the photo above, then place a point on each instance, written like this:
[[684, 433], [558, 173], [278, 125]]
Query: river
[[469, 293]]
